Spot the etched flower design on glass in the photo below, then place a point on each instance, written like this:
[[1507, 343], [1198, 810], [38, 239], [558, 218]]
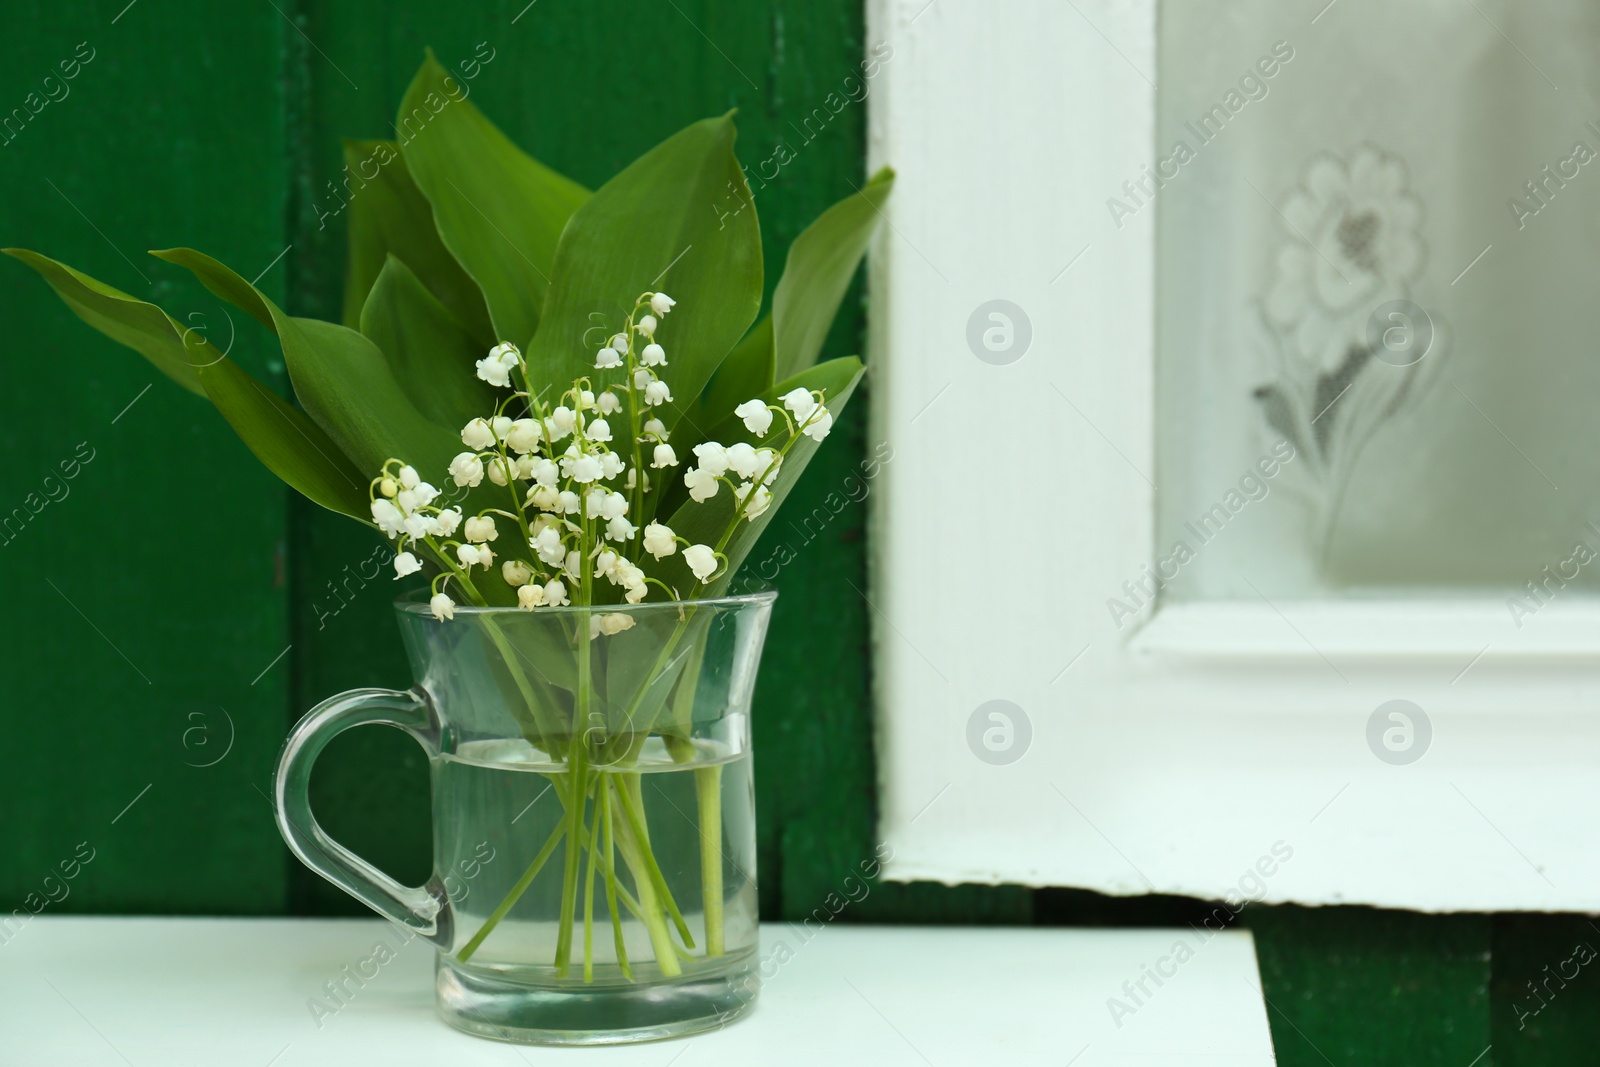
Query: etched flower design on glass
[[1337, 325]]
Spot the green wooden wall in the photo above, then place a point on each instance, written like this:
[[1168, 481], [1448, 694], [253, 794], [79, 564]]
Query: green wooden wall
[[171, 610]]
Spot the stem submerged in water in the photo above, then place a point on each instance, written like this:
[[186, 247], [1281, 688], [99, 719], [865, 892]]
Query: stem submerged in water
[[603, 807], [708, 798], [516, 894], [634, 854]]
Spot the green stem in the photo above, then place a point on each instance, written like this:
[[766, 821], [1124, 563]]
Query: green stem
[[631, 802], [512, 897], [588, 897], [577, 752], [708, 795], [661, 943], [604, 825], [575, 826]]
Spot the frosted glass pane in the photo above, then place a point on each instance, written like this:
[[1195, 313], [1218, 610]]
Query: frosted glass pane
[[1378, 239]]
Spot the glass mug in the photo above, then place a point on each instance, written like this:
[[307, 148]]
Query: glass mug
[[593, 814]]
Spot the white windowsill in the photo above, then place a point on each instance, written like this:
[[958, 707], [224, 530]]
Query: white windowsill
[[91, 991]]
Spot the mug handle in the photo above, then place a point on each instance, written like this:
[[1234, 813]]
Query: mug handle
[[423, 909]]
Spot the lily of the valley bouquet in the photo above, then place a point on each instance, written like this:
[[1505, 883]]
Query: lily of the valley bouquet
[[554, 405]]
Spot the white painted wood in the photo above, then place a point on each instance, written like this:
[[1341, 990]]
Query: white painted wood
[[1390, 631], [1175, 755], [93, 991]]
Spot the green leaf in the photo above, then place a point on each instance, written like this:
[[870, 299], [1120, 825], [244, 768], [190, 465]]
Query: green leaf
[[679, 219], [816, 275], [340, 377], [141, 326], [390, 216], [705, 523], [821, 263], [289, 444], [498, 210], [746, 372], [430, 354]]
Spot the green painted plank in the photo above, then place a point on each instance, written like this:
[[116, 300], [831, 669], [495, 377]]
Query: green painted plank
[[1348, 985], [153, 578]]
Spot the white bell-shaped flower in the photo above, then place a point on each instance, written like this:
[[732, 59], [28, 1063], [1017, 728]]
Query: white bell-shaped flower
[[524, 435], [481, 528], [741, 459], [702, 484], [769, 461], [500, 471], [657, 393], [477, 435], [388, 517], [653, 355], [801, 403], [443, 608], [702, 560], [466, 470], [613, 622], [516, 573], [711, 457], [607, 358], [757, 504], [405, 563], [530, 596], [548, 546], [819, 425], [661, 303], [562, 422], [496, 370], [659, 540], [545, 472], [756, 415], [582, 468], [664, 456]]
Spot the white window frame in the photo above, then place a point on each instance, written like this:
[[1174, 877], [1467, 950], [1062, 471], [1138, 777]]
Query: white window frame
[[1174, 754]]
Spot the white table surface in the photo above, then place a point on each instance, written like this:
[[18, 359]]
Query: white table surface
[[81, 992]]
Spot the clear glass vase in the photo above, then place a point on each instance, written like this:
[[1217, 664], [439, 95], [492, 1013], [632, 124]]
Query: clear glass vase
[[593, 815]]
